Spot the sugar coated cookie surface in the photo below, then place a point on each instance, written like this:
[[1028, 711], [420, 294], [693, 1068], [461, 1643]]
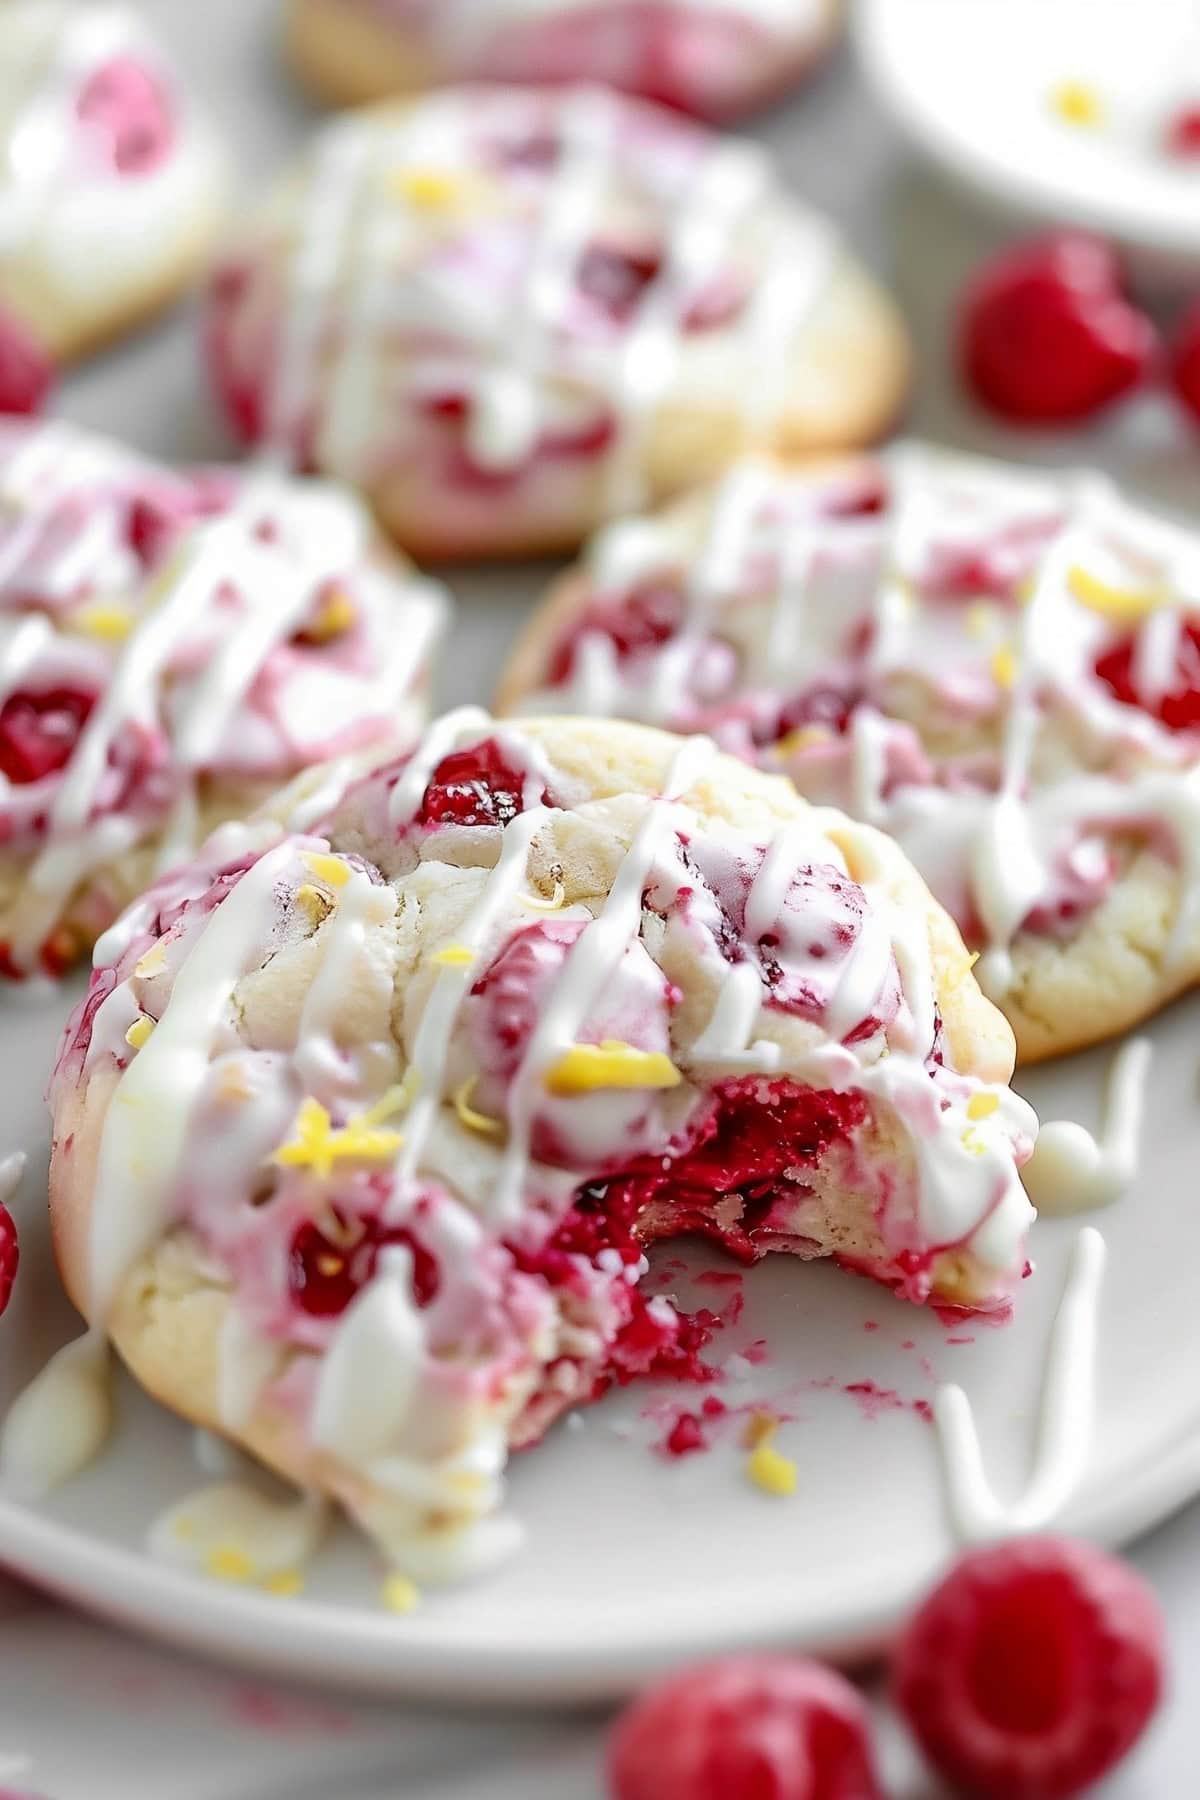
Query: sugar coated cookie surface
[[507, 314], [361, 1135], [173, 646], [999, 667], [111, 181], [713, 58]]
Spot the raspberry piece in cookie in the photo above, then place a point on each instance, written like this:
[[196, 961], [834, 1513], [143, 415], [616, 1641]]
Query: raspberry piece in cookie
[[1000, 667], [715, 60], [507, 314], [395, 1104], [111, 182], [173, 646]]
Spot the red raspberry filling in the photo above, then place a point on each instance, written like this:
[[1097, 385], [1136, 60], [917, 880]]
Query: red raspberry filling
[[477, 786], [326, 1268], [643, 620], [825, 705], [1183, 132], [756, 1131], [1032, 1670], [746, 1728], [126, 109], [1179, 708], [38, 732], [1184, 367], [9, 1256]]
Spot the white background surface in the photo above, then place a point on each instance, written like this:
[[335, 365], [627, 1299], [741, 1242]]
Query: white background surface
[[100, 1716]]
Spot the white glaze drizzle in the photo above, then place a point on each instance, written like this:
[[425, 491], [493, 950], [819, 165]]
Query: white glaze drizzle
[[1070, 1170], [1064, 1425], [237, 1533], [590, 963], [319, 534], [60, 1421], [353, 230], [1003, 848]]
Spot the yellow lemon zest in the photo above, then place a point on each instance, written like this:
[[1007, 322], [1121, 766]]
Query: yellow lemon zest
[[228, 1563], [972, 1142], [329, 869], [153, 962], [979, 618], [1124, 606], [453, 956], [233, 1084], [139, 1031], [973, 958], [982, 1106], [285, 1583], [316, 1145], [336, 616], [312, 901], [760, 1429], [397, 1098], [1078, 103], [771, 1471], [112, 623], [538, 904], [399, 1594], [1004, 665], [474, 1121], [429, 190], [610, 1064], [803, 738]]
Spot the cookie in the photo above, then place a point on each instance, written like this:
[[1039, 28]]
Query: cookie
[[361, 1136], [998, 666], [173, 645], [507, 314], [714, 59], [112, 182]]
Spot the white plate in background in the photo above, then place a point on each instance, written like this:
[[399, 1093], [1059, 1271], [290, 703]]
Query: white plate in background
[[970, 81]]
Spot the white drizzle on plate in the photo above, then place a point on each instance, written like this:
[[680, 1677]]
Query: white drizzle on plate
[[1065, 1420], [1070, 1170]]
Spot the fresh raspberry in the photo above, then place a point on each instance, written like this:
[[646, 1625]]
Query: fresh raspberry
[[10, 1255], [38, 732], [26, 371], [1184, 366], [1032, 1669], [1183, 132], [640, 621], [746, 1728], [1046, 335]]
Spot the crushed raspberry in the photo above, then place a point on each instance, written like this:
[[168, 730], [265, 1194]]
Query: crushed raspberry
[[756, 1131], [685, 1437], [474, 787], [1179, 708], [1183, 132], [644, 619], [746, 1728], [38, 732], [327, 1268], [992, 570], [1046, 335], [1184, 366], [1032, 1669], [27, 373], [125, 107], [9, 1255]]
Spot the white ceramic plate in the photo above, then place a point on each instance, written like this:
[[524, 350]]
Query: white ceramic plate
[[971, 82], [633, 1562]]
